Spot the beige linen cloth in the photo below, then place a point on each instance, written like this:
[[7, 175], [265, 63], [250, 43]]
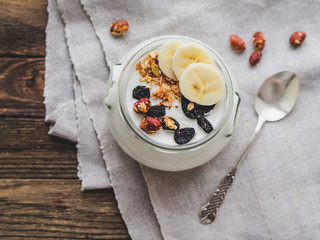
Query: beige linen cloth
[[276, 194]]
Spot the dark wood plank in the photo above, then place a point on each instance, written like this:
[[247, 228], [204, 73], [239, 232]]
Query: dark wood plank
[[38, 164], [29, 134], [22, 27], [21, 91], [27, 151], [47, 209], [40, 195]]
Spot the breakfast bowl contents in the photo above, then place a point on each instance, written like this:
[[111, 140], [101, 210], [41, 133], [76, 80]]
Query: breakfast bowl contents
[[171, 103]]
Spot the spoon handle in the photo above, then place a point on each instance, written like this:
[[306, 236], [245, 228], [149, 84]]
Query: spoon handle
[[209, 210]]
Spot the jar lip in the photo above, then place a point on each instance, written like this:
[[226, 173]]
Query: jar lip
[[132, 56]]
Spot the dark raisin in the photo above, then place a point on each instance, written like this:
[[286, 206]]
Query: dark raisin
[[140, 92], [156, 111], [169, 123], [205, 124], [189, 113], [196, 111], [204, 109], [184, 135]]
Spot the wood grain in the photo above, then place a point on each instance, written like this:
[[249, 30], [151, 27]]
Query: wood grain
[[45, 209], [21, 91], [29, 134], [40, 195], [27, 151], [22, 27], [54, 206]]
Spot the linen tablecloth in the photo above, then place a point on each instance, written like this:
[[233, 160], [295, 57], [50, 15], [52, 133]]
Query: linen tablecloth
[[276, 192]]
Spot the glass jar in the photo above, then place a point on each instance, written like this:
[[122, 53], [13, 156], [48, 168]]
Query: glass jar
[[143, 148]]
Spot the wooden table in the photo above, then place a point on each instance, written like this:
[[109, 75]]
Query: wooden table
[[40, 195]]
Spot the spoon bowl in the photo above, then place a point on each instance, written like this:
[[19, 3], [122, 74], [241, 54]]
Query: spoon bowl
[[277, 96], [274, 100]]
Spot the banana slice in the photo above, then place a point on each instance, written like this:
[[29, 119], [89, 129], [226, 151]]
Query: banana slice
[[202, 83], [187, 54], [165, 58]]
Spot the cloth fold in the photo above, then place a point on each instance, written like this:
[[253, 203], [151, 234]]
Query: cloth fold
[[65, 109], [276, 192], [83, 44]]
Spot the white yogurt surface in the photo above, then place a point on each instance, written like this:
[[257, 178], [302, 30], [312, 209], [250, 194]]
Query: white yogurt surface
[[165, 136]]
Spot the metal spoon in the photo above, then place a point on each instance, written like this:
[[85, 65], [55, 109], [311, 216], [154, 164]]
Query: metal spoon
[[274, 100]]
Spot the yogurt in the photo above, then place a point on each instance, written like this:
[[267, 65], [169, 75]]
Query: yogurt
[[165, 137], [159, 150]]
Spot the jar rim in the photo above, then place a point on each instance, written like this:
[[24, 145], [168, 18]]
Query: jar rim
[[132, 58]]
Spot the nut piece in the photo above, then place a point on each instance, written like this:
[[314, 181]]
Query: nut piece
[[142, 106], [259, 41], [190, 106], [155, 69], [150, 124], [119, 27], [255, 58], [169, 123], [297, 38], [237, 43]]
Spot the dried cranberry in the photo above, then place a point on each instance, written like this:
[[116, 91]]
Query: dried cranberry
[[140, 92], [184, 135], [169, 123], [156, 111], [205, 124]]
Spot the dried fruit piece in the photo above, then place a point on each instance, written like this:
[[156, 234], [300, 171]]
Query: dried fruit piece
[[237, 43], [204, 110], [169, 123], [205, 124], [150, 124], [119, 27], [156, 111], [193, 110], [259, 41], [255, 58], [297, 38], [155, 69], [184, 135], [140, 92], [142, 106], [185, 105]]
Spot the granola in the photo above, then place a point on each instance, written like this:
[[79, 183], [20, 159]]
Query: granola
[[167, 89]]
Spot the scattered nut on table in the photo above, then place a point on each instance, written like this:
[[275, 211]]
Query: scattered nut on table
[[259, 41], [237, 43], [297, 38], [255, 58], [119, 27]]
